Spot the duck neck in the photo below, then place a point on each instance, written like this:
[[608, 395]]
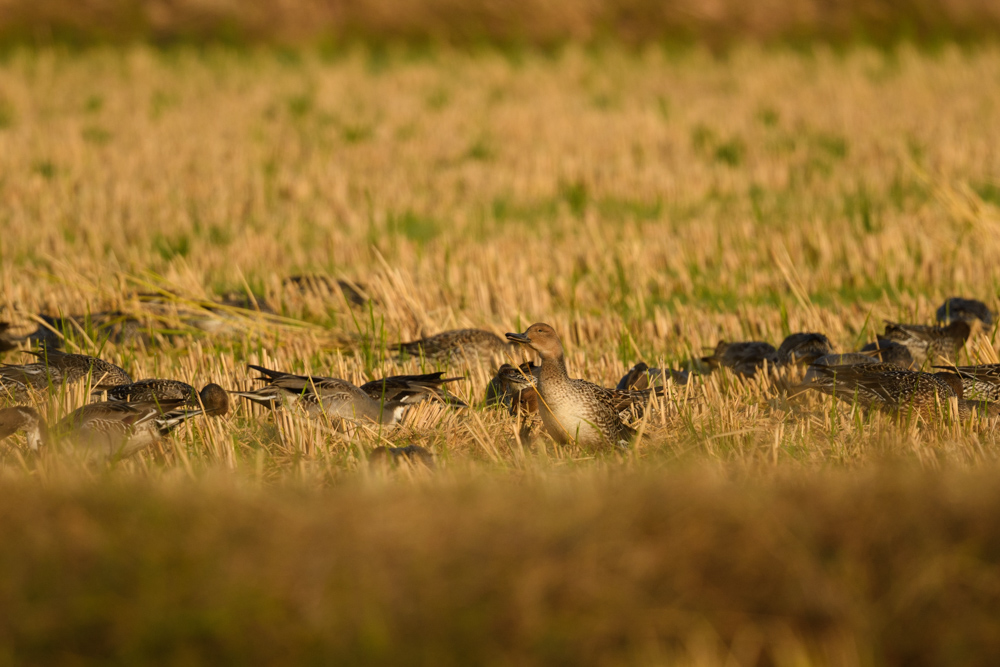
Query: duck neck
[[553, 368]]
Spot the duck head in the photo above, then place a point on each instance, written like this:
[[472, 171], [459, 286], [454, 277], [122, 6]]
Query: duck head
[[541, 338], [215, 400]]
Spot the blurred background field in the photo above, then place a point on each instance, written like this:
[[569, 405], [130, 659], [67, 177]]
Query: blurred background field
[[649, 178]]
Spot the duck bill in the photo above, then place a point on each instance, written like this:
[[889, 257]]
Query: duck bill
[[518, 338]]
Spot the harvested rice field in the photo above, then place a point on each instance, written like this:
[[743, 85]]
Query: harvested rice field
[[184, 212]]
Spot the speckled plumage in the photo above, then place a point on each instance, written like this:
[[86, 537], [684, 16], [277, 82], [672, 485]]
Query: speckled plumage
[[888, 387], [59, 368], [522, 380], [457, 344], [968, 409], [845, 359], [978, 382], [152, 390], [929, 342], [327, 395], [572, 410]]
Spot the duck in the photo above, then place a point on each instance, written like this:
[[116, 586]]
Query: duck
[[523, 381], [572, 410], [398, 387], [958, 309], [119, 429], [803, 348], [330, 396], [458, 343], [744, 358], [154, 390], [929, 342], [641, 376], [505, 387], [8, 341], [845, 359], [979, 381], [818, 375], [892, 389], [24, 418], [890, 352], [57, 368]]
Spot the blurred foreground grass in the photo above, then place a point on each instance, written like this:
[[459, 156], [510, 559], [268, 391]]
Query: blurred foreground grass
[[885, 566], [544, 23]]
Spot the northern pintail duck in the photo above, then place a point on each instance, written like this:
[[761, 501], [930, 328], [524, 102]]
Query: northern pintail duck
[[513, 388], [957, 309], [23, 418], [743, 358], [412, 454], [120, 429], [159, 390], [845, 359], [929, 342], [59, 368], [803, 348], [330, 396], [978, 382], [403, 387], [890, 352], [459, 343], [892, 389], [522, 380], [509, 381], [572, 410], [641, 377]]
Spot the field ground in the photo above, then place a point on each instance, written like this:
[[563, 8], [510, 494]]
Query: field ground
[[646, 204]]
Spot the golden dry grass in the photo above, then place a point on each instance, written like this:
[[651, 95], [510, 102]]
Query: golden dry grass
[[645, 204]]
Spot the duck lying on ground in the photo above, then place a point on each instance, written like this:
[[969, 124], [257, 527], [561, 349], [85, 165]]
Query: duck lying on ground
[[572, 410]]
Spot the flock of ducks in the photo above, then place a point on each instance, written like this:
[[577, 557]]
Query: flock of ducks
[[909, 370]]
